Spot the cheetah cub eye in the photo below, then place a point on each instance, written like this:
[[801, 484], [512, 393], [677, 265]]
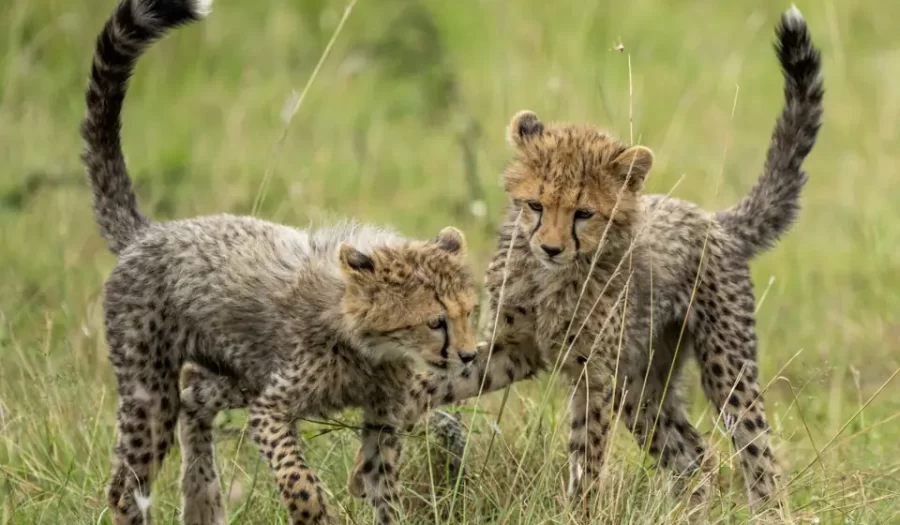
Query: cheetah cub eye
[[583, 214], [438, 323]]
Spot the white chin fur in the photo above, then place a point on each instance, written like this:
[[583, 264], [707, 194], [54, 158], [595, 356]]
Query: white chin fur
[[548, 264]]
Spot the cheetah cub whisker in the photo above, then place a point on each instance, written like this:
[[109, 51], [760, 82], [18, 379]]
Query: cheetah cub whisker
[[283, 321], [588, 235]]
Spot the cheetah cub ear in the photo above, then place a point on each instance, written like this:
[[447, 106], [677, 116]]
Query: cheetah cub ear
[[354, 261], [637, 160], [523, 126], [452, 240]]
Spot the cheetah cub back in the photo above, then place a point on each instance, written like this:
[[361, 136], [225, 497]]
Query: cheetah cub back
[[286, 322]]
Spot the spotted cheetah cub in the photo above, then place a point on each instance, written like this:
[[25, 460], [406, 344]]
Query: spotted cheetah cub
[[615, 275], [284, 321]]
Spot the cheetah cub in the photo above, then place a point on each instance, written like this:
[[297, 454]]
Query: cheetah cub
[[286, 322], [614, 276]]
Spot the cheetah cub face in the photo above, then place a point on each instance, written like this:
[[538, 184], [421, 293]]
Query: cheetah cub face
[[411, 300], [566, 180]]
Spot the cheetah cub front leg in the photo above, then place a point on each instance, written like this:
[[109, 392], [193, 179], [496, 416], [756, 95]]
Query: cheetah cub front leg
[[203, 396], [375, 472], [513, 357]]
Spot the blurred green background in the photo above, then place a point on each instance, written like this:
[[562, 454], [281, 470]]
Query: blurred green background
[[405, 125]]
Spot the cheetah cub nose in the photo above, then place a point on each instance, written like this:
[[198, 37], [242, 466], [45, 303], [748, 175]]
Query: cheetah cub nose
[[467, 357], [552, 251]]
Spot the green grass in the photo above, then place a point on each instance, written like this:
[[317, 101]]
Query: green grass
[[404, 124]]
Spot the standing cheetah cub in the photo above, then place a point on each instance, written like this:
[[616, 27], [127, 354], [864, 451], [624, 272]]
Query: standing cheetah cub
[[286, 322], [616, 275]]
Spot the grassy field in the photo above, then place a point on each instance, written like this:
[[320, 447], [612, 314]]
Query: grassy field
[[404, 125]]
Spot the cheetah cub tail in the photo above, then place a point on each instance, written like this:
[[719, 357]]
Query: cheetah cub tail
[[771, 207], [132, 26]]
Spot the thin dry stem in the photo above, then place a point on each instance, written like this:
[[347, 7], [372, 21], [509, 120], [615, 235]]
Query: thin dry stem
[[279, 144]]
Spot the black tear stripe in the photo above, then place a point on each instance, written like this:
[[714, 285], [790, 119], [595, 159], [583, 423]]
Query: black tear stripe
[[537, 226], [540, 215], [575, 237], [574, 233], [445, 348]]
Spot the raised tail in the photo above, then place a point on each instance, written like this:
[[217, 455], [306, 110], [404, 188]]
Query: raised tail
[[771, 207], [133, 25]]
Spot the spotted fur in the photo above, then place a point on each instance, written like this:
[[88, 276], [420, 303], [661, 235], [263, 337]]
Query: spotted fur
[[205, 393], [505, 355], [283, 321], [626, 285]]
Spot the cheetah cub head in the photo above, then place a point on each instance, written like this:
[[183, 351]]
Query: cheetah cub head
[[567, 180], [411, 300]]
